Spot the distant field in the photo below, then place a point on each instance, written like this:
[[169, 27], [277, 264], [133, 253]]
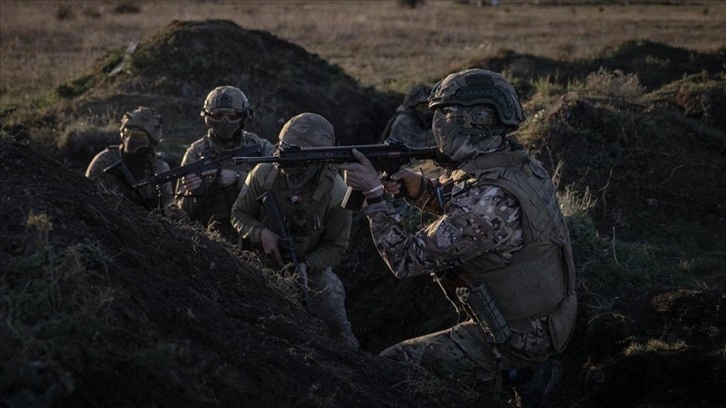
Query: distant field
[[380, 43]]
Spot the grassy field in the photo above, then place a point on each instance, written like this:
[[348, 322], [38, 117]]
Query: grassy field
[[380, 43]]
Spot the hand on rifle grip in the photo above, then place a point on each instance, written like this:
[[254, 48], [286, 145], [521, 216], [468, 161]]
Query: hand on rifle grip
[[271, 244], [410, 183]]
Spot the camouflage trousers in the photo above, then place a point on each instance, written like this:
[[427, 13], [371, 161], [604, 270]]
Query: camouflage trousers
[[463, 352], [326, 300]]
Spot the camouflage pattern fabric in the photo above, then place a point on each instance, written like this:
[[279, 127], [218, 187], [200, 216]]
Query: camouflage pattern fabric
[[326, 300], [150, 198], [462, 352], [145, 119], [411, 129], [213, 209], [482, 218]]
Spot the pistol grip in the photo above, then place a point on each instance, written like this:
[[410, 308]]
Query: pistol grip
[[353, 200]]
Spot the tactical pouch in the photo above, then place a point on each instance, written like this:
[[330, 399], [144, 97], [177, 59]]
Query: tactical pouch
[[481, 307]]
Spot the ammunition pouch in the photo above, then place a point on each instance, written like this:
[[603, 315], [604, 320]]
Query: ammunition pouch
[[481, 306]]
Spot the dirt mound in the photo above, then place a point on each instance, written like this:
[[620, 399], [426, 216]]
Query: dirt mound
[[101, 308], [655, 65], [683, 370], [649, 168], [173, 69]]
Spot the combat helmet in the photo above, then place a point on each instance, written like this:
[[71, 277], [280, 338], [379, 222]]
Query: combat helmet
[[417, 95], [479, 86], [225, 111], [226, 99], [145, 119], [307, 130]]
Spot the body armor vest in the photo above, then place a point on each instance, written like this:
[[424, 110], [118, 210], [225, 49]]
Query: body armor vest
[[539, 280], [219, 201], [303, 212]]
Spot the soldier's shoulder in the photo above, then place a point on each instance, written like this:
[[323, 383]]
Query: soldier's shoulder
[[262, 169], [107, 156], [197, 146], [254, 138], [160, 164]]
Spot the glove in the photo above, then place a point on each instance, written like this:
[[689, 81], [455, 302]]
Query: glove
[[270, 244]]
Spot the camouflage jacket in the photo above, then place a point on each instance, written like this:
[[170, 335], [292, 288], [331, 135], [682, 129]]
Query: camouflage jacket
[[149, 197], [483, 218], [321, 230]]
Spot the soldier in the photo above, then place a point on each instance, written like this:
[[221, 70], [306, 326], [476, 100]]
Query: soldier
[[209, 199], [119, 167], [411, 125], [310, 205], [500, 249]]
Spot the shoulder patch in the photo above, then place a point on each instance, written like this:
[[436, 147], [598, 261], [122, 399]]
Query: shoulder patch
[[447, 234]]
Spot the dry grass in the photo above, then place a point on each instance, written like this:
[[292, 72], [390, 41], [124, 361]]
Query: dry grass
[[44, 43]]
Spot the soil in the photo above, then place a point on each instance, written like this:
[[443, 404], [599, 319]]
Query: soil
[[108, 305]]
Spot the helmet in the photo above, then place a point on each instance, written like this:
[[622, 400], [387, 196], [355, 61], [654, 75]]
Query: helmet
[[145, 119], [417, 95], [225, 111], [226, 98], [307, 130], [480, 87]]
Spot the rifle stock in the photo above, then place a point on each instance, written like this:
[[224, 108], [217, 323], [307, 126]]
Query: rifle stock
[[197, 167], [386, 158]]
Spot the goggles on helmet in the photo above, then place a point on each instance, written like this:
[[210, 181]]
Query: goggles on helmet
[[134, 133], [231, 116]]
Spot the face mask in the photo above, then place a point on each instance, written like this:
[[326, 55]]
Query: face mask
[[136, 142], [298, 178], [464, 131], [224, 128]]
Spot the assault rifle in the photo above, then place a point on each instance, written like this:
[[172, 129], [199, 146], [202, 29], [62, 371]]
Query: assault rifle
[[197, 167], [386, 158], [286, 242]]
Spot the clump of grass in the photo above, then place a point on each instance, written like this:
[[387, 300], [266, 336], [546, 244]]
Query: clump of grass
[[614, 84]]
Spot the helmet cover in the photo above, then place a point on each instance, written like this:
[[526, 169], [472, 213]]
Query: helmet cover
[[417, 95], [476, 87], [145, 119], [307, 130], [225, 111]]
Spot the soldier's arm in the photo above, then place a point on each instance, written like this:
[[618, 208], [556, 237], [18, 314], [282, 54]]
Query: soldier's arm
[[266, 147], [336, 233], [246, 213], [468, 229]]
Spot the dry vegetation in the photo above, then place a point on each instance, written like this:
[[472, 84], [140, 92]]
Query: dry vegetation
[[633, 135], [43, 43]]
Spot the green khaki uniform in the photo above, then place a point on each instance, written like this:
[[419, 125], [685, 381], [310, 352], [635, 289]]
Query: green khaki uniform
[[119, 177], [320, 228], [212, 204], [500, 228]]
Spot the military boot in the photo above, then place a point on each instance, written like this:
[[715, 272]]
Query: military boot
[[536, 392]]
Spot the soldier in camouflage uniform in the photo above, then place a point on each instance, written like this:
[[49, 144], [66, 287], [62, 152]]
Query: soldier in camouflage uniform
[[310, 205], [119, 167], [411, 125], [209, 199], [500, 249]]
